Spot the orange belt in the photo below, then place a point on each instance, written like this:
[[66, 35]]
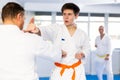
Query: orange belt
[[63, 66]]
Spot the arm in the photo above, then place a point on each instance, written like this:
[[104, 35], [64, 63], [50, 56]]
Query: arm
[[95, 45], [48, 49], [108, 46], [45, 48], [85, 49], [96, 42], [47, 32]]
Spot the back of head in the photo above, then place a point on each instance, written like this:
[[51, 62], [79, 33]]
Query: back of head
[[71, 6], [10, 10]]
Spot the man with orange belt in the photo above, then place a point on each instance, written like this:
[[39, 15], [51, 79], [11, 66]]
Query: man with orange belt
[[72, 40]]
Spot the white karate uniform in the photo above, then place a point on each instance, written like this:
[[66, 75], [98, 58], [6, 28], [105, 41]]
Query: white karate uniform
[[103, 48], [18, 51], [79, 42]]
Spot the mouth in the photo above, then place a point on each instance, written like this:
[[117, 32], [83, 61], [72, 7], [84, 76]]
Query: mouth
[[66, 21]]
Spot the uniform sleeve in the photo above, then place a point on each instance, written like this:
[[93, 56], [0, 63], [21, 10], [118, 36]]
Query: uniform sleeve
[[49, 32], [108, 45], [86, 46], [96, 41], [47, 48]]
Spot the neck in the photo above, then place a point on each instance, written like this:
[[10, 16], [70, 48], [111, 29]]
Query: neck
[[102, 35], [10, 22], [7, 22], [71, 26]]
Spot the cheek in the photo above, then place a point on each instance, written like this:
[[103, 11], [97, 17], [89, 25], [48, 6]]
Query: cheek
[[72, 20], [22, 23]]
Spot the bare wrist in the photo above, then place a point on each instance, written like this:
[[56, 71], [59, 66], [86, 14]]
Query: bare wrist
[[38, 31]]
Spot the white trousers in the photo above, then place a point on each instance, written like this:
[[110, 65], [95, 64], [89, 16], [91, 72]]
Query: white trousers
[[101, 65]]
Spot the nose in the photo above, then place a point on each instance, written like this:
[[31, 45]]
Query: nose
[[65, 16]]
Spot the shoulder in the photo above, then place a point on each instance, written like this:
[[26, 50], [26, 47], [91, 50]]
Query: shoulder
[[55, 27], [107, 36], [81, 31], [97, 37]]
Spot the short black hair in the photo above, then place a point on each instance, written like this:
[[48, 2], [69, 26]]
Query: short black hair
[[10, 10], [71, 6]]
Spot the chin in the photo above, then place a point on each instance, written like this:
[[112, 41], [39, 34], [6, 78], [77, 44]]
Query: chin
[[67, 24]]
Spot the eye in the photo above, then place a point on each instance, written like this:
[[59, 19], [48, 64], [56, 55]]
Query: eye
[[69, 14]]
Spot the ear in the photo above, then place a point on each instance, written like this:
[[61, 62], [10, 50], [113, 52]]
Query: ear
[[76, 16], [19, 16]]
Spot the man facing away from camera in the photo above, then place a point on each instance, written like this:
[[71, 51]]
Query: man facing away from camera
[[18, 49]]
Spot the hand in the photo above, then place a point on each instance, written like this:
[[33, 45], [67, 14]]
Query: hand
[[79, 55], [31, 28], [64, 54], [96, 46], [107, 57]]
